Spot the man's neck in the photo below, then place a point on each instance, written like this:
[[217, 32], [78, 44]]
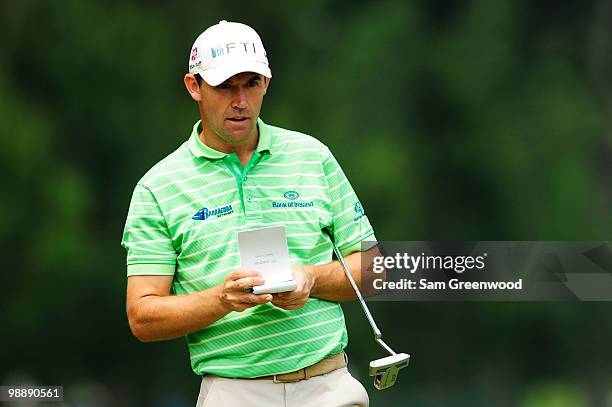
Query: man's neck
[[244, 150]]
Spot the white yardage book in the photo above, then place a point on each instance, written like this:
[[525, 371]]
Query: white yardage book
[[265, 250]]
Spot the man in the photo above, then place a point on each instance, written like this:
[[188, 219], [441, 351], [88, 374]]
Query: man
[[237, 173]]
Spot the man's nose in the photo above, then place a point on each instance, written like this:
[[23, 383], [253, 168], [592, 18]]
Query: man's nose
[[239, 100]]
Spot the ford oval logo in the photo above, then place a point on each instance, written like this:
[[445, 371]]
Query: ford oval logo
[[292, 195]]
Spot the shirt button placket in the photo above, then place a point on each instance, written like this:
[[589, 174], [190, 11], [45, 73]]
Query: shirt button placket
[[253, 211]]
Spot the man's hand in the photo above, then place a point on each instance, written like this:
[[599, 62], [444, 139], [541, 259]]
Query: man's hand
[[304, 277], [233, 294]]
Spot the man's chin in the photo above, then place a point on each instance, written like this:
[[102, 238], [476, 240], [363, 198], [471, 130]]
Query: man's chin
[[237, 137]]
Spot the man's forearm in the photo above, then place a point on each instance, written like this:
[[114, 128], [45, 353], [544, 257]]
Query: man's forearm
[[330, 281], [156, 317]]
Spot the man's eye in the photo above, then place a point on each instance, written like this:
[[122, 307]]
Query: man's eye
[[253, 84], [223, 86]]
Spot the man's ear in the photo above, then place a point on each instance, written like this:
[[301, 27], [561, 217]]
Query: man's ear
[[266, 83], [192, 87]]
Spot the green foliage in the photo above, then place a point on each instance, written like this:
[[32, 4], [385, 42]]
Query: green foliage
[[454, 120]]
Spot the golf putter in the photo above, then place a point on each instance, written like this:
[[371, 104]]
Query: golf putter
[[384, 370]]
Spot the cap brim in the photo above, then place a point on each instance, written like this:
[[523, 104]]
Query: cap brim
[[217, 75]]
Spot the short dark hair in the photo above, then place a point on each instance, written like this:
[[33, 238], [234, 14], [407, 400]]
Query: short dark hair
[[198, 78]]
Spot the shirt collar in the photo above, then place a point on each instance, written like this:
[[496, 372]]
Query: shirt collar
[[265, 137], [200, 149]]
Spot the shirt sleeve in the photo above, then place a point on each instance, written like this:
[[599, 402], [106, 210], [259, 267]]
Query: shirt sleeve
[[350, 225], [146, 237]]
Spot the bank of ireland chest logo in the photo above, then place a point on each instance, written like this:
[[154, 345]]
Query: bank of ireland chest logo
[[291, 195], [359, 211], [292, 201]]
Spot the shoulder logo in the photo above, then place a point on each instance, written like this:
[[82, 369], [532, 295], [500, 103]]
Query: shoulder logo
[[206, 213], [291, 195], [359, 211]]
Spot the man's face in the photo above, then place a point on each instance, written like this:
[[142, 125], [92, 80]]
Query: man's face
[[230, 110]]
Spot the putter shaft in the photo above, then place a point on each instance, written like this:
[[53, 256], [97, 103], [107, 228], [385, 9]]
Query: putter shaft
[[366, 310]]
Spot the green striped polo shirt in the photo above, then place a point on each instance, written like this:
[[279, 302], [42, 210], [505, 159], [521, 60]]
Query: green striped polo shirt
[[183, 221]]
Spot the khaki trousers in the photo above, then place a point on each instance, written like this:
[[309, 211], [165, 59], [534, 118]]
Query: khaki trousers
[[334, 389]]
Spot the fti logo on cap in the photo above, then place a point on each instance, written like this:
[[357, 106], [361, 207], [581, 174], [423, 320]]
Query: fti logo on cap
[[194, 53], [242, 47], [217, 51]]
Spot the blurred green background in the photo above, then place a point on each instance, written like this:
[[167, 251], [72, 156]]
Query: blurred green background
[[467, 119]]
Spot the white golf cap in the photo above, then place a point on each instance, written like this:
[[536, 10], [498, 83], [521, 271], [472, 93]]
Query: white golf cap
[[224, 50]]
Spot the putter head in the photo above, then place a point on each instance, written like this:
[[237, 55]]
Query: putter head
[[385, 370]]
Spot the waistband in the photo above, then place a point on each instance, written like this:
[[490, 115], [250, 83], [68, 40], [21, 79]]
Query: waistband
[[324, 366]]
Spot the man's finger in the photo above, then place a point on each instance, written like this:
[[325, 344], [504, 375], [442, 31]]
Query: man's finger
[[246, 282], [256, 298], [241, 273], [289, 307], [285, 302], [290, 296]]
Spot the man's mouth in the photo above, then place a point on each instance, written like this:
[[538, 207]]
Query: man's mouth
[[237, 119]]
